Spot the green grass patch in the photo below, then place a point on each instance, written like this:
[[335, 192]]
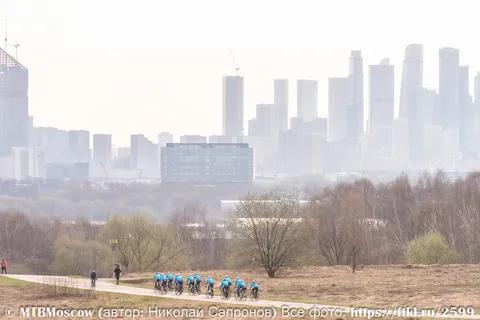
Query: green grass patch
[[9, 282]]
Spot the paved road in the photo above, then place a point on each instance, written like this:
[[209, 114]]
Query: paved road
[[108, 286]]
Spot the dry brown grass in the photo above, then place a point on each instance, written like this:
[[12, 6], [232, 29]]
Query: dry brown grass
[[371, 286]]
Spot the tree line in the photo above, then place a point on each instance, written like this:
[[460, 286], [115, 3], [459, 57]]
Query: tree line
[[431, 220]]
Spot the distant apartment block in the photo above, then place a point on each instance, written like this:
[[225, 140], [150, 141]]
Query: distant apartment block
[[193, 138], [79, 145], [143, 153], [207, 163], [102, 149]]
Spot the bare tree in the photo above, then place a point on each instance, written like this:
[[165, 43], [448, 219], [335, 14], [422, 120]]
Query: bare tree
[[141, 234], [117, 229], [329, 241], [354, 225], [271, 222], [163, 248]]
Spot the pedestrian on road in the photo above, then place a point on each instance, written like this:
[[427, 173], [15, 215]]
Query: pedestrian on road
[[3, 265], [117, 272], [93, 278]]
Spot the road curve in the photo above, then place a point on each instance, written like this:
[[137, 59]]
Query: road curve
[[107, 286]]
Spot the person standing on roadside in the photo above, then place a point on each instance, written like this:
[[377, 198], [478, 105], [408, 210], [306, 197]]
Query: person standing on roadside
[[3, 265], [117, 272]]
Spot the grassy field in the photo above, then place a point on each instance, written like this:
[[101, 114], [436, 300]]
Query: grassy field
[[372, 286]]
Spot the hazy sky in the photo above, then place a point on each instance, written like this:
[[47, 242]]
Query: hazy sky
[[139, 66]]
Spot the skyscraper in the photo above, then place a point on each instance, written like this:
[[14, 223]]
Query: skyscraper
[[307, 99], [412, 82], [466, 112], [280, 93], [355, 114], [412, 111], [476, 89], [339, 104], [13, 103], [233, 106], [381, 96], [448, 114]]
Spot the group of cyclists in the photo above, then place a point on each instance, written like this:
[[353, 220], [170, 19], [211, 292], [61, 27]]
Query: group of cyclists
[[164, 283]]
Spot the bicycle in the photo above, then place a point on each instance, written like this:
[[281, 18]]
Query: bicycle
[[254, 293], [179, 289], [164, 287], [210, 291], [191, 288], [156, 287], [225, 292], [241, 293], [197, 288]]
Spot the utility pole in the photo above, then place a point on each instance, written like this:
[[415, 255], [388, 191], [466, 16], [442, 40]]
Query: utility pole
[[113, 244]]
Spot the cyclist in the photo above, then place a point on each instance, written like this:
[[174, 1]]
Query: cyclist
[[157, 278], [179, 283], [237, 280], [241, 287], [227, 278], [198, 281], [170, 279], [209, 284], [191, 283], [225, 287], [254, 288], [93, 278], [163, 279]]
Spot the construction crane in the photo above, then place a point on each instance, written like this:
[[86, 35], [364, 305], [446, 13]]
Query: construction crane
[[235, 65], [6, 33], [16, 45]]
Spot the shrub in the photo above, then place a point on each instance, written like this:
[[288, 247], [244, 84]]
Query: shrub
[[77, 257], [430, 248]]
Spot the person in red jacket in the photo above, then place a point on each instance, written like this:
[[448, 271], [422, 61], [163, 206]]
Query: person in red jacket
[[3, 265]]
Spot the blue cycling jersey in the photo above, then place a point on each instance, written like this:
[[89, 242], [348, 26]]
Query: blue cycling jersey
[[225, 284], [157, 277], [253, 285], [241, 284], [197, 278], [210, 280], [170, 276], [179, 279]]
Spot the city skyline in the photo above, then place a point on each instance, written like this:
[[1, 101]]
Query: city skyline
[[432, 130], [65, 59]]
